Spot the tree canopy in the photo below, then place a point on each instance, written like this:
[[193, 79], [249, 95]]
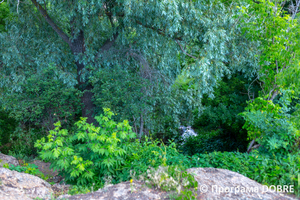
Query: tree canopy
[[151, 42]]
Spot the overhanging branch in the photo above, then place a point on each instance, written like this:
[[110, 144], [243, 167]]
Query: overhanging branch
[[159, 31], [51, 23], [184, 50]]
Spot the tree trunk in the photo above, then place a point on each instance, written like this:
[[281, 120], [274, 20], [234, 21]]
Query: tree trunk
[[77, 47], [88, 106], [76, 44], [141, 126]]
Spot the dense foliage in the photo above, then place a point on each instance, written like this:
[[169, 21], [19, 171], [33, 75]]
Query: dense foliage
[[272, 125], [230, 69], [89, 62], [91, 153], [43, 100], [278, 35], [4, 15]]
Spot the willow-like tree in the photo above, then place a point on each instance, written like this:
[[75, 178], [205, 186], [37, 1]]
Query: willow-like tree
[[158, 40]]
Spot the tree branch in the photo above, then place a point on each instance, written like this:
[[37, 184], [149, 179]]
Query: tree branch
[[294, 8], [107, 44], [159, 31], [51, 23], [18, 6], [250, 88], [250, 145], [274, 95], [184, 50]]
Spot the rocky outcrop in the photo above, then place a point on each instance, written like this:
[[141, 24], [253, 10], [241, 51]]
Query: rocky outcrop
[[8, 159], [21, 186], [213, 184], [122, 191], [224, 184], [60, 189]]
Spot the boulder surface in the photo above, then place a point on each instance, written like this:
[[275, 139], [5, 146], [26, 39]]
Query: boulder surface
[[122, 191], [224, 184], [213, 184], [20, 186], [8, 159]]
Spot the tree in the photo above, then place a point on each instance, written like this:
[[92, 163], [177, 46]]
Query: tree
[[278, 35], [158, 40]]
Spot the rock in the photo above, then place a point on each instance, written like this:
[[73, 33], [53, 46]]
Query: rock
[[60, 189], [208, 178], [8, 159], [21, 186], [122, 191], [212, 184]]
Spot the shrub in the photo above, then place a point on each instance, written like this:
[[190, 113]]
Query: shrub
[[4, 15], [150, 154], [272, 124], [74, 189], [90, 153]]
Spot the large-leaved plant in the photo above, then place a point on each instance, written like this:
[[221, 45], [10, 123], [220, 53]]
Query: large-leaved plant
[[90, 153]]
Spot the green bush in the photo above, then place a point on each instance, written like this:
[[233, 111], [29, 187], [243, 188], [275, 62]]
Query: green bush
[[263, 168], [272, 124], [172, 178], [16, 138], [80, 189], [90, 153], [143, 155]]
